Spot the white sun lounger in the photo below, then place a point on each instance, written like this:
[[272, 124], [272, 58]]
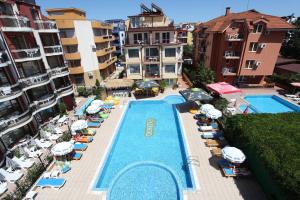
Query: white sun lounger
[[42, 144], [3, 187], [24, 164], [291, 95], [205, 128], [11, 176]]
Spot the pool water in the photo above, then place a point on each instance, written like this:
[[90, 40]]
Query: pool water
[[268, 104], [165, 147]]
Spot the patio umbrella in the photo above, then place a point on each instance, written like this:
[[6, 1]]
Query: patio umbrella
[[206, 107], [79, 125], [61, 149], [11, 163], [233, 155], [93, 109], [146, 84], [213, 114], [195, 94], [97, 102]]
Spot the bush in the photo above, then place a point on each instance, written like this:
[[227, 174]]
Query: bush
[[65, 137], [62, 109], [220, 103], [271, 143]]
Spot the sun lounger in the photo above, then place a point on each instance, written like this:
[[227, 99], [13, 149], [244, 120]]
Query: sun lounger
[[228, 172], [76, 156], [215, 143], [80, 146], [212, 135], [51, 182], [30, 195], [205, 128], [84, 139], [11, 176], [199, 116], [51, 174], [95, 124], [65, 168], [3, 187], [215, 151], [43, 143], [103, 115], [23, 163], [291, 95]]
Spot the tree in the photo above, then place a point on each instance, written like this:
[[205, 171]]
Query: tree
[[203, 76], [97, 84], [291, 48], [62, 109], [188, 51]]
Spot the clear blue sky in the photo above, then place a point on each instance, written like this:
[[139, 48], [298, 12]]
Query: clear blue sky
[[179, 10]]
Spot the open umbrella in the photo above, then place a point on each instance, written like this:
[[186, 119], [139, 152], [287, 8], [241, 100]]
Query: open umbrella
[[233, 155], [206, 107], [97, 102], [195, 94], [79, 125], [93, 109], [146, 84], [11, 163], [61, 149], [213, 114]]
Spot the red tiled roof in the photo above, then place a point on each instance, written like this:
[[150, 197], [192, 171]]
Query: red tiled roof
[[219, 24], [293, 67], [282, 60]]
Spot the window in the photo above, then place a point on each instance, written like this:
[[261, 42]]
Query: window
[[152, 52], [9, 108], [157, 38], [137, 38], [170, 52], [133, 53], [71, 49], [166, 37], [170, 68], [250, 64], [253, 46], [3, 79], [145, 37], [79, 79], [135, 22], [74, 63], [134, 69], [258, 28], [14, 136]]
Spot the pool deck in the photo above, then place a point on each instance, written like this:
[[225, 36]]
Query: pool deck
[[211, 183]]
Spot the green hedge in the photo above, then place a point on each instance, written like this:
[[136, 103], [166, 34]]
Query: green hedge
[[271, 143]]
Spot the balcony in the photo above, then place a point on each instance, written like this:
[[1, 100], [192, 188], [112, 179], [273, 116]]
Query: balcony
[[105, 51], [69, 41], [72, 56], [10, 92], [43, 102], [16, 121], [53, 50], [64, 91], [76, 70], [232, 55], [59, 72], [37, 80], [151, 59], [228, 71], [21, 55], [105, 38], [15, 23], [107, 63], [234, 37], [4, 60], [46, 26], [152, 75]]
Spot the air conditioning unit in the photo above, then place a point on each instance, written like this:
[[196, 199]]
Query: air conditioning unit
[[262, 45], [257, 63], [90, 74]]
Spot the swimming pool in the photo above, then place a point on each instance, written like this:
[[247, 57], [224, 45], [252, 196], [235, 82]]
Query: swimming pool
[[164, 147], [268, 104]]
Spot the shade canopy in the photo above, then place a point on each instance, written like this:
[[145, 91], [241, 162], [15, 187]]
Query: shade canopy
[[223, 88], [118, 83], [93, 109], [206, 107], [146, 84], [79, 125], [296, 84], [195, 94], [233, 155], [213, 114], [97, 102], [63, 148]]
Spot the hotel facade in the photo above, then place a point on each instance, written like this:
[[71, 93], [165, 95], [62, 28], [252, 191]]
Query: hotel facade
[[152, 49], [33, 76], [88, 45], [241, 48]]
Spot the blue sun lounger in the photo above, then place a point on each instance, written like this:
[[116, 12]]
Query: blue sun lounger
[[80, 147], [94, 124], [76, 156], [51, 182]]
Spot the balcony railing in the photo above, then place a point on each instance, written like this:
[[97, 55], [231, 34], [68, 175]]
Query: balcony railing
[[15, 120], [26, 53], [235, 37], [232, 55], [59, 71], [65, 89], [10, 90], [53, 49], [43, 102], [228, 71], [154, 74], [14, 21], [151, 58], [45, 25], [34, 80]]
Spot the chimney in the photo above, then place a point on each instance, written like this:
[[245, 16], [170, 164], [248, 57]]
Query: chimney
[[227, 11]]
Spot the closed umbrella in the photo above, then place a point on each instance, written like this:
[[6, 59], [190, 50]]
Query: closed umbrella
[[62, 148], [206, 107], [213, 114], [233, 155], [79, 125], [11, 163], [93, 109], [97, 103], [195, 94]]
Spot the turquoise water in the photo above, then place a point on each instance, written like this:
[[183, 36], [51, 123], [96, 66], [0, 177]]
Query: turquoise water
[[165, 147], [269, 104]]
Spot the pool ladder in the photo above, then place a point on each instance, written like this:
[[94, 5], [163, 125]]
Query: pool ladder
[[191, 160]]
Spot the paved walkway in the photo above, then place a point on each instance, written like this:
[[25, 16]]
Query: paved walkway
[[211, 184]]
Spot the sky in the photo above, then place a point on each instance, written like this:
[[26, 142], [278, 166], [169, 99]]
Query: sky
[[179, 10]]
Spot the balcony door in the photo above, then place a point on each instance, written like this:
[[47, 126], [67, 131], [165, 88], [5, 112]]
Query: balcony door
[[19, 42], [28, 69], [152, 54], [152, 71], [9, 109]]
